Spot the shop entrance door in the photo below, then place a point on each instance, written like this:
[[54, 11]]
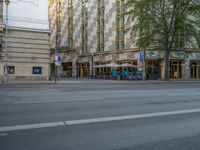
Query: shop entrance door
[[84, 70], [176, 69], [194, 69], [67, 69], [153, 69]]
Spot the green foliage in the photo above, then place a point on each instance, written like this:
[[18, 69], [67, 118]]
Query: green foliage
[[165, 24]]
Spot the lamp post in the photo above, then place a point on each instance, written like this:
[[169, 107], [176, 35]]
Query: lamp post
[[142, 59], [5, 78], [57, 57], [92, 59]]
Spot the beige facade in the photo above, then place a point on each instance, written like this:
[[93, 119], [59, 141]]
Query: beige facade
[[27, 51], [98, 24]]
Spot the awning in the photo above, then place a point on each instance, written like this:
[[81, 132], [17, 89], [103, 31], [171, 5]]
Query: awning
[[127, 65]]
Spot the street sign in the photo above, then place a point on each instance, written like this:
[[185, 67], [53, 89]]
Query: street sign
[[142, 56], [58, 60]]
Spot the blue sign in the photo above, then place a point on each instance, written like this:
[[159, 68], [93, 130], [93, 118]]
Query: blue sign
[[58, 60], [37, 70], [141, 55]]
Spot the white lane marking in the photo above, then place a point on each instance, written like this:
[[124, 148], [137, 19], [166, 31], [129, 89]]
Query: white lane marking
[[96, 120], [128, 117], [3, 134], [31, 126], [57, 101]]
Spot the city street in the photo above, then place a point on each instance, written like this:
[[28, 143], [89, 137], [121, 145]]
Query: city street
[[100, 115]]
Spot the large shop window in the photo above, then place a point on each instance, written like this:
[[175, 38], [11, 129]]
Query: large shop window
[[37, 70], [84, 70], [176, 69], [153, 69], [194, 69]]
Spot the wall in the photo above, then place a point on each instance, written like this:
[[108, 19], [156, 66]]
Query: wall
[[27, 49], [28, 14]]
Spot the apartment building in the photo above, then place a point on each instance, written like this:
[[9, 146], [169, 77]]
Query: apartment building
[[90, 33]]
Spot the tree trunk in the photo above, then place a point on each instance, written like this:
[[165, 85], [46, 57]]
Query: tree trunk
[[167, 65]]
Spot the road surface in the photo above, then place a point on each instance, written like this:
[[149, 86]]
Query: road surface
[[100, 116]]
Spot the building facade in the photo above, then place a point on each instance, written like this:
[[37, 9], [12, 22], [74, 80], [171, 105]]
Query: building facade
[[27, 38], [87, 33]]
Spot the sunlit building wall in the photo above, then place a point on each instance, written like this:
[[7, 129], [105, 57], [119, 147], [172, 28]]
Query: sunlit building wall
[[28, 39]]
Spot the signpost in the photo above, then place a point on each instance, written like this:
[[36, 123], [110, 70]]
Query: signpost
[[142, 59], [57, 63], [142, 55], [58, 60], [57, 57]]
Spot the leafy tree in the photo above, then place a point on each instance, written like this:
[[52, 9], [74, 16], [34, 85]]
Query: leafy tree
[[165, 24]]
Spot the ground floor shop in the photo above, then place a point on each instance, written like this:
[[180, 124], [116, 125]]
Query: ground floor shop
[[67, 69], [84, 70], [153, 69], [195, 69], [176, 68], [101, 72], [183, 65], [130, 69]]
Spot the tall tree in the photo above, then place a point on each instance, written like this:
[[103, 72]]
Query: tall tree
[[165, 24]]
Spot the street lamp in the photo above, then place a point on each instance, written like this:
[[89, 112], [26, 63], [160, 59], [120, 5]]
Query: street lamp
[[92, 59], [56, 56], [6, 44]]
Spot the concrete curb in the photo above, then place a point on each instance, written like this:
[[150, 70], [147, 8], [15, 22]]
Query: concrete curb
[[94, 81]]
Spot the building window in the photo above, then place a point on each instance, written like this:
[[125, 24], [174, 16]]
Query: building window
[[70, 23], [49, 2], [37, 70], [120, 24], [84, 26], [49, 14], [100, 26], [194, 69], [11, 69], [58, 16], [176, 68]]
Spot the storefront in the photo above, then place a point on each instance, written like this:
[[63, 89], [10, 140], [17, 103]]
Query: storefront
[[129, 69], [195, 69], [84, 70], [67, 69], [153, 69], [153, 64], [99, 72], [176, 70], [177, 64]]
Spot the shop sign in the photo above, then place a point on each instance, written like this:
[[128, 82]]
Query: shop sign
[[152, 54], [196, 56], [58, 60], [177, 54], [142, 56]]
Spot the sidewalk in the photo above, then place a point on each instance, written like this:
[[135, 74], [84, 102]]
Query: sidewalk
[[95, 81]]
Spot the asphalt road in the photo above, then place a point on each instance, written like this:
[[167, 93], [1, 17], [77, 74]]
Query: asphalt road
[[100, 116]]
